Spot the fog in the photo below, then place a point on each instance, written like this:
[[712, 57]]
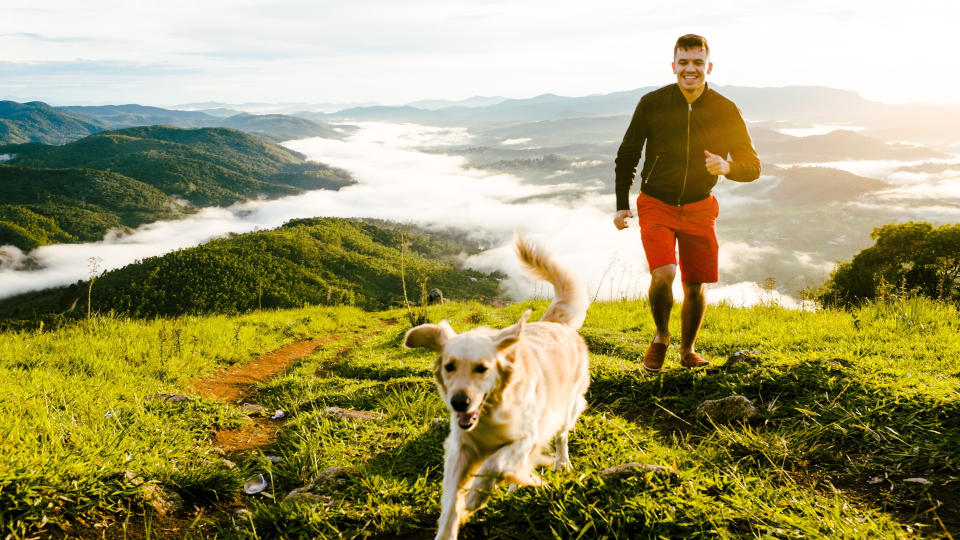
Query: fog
[[397, 182]]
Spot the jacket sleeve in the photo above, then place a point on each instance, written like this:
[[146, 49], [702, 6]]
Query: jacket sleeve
[[628, 156], [744, 162]]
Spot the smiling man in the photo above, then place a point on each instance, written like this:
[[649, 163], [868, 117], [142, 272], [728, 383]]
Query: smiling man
[[692, 135]]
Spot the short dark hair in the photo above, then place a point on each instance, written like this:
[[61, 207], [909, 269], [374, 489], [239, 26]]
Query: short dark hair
[[691, 41]]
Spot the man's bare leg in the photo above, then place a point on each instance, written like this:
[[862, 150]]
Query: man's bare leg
[[661, 300], [691, 316]]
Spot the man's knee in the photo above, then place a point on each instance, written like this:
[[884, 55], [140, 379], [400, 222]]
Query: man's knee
[[663, 275], [693, 290]]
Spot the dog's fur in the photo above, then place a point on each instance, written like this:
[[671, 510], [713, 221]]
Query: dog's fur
[[510, 392]]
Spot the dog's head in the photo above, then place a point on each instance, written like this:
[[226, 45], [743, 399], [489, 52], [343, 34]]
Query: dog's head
[[470, 366]]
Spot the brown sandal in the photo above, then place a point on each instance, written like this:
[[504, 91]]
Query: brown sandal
[[693, 360], [653, 360]]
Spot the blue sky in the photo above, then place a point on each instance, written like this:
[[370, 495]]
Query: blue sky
[[106, 51]]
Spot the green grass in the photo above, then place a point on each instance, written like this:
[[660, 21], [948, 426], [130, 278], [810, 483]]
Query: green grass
[[852, 404]]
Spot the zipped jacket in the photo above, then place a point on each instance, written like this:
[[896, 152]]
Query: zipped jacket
[[676, 133]]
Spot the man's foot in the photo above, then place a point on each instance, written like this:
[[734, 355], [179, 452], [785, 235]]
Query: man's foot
[[653, 360], [693, 360]]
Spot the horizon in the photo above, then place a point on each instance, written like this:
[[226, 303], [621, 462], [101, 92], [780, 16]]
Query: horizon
[[373, 51]]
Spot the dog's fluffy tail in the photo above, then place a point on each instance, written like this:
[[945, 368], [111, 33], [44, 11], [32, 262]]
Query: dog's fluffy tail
[[570, 302]]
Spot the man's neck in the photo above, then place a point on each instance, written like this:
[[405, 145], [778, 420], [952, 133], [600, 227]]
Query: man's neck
[[692, 96]]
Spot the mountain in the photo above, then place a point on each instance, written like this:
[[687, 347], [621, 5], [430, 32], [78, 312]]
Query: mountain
[[46, 206], [475, 101], [835, 146], [280, 127], [122, 116], [38, 122], [207, 167], [324, 261]]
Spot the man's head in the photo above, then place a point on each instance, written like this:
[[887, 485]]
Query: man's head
[[691, 62]]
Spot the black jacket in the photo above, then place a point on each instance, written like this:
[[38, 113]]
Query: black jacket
[[676, 134]]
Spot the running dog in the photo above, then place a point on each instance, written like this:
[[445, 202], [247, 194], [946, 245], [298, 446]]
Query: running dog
[[510, 392]]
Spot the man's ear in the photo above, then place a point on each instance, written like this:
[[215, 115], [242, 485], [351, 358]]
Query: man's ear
[[509, 335], [709, 67], [429, 336], [673, 66]]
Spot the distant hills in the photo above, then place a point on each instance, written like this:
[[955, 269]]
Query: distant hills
[[326, 261], [39, 122], [124, 178]]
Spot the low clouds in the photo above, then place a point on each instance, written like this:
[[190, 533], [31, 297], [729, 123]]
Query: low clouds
[[398, 183]]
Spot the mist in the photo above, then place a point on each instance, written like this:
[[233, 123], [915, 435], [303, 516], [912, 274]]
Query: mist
[[399, 182]]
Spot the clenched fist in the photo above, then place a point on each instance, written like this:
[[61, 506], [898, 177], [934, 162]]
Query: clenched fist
[[715, 164], [620, 220]]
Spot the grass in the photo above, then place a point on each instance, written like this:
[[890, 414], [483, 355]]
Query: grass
[[854, 405]]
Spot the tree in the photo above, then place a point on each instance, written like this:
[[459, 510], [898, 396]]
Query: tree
[[912, 257]]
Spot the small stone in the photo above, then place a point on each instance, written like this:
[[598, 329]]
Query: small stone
[[634, 469], [162, 501], [341, 413], [255, 484], [251, 409], [742, 356], [133, 477], [171, 398], [278, 415], [875, 480], [228, 464], [728, 409], [922, 481], [331, 479]]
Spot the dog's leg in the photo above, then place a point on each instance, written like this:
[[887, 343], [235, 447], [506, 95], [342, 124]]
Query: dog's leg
[[512, 464], [563, 438], [562, 462], [460, 462]]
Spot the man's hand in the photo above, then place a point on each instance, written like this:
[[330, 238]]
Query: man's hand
[[620, 220], [715, 164]]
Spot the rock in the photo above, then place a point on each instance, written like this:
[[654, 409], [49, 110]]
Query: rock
[[133, 477], [251, 409], [728, 409], [340, 413], [627, 470], [163, 502], [331, 479], [172, 398], [841, 362], [742, 356], [228, 464]]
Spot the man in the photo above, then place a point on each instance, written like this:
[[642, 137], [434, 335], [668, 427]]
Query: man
[[692, 135]]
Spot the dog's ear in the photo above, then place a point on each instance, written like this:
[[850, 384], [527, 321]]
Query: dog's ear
[[429, 336], [511, 334]]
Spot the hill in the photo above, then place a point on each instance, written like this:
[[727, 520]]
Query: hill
[[38, 122], [111, 428], [324, 261], [207, 167], [45, 206]]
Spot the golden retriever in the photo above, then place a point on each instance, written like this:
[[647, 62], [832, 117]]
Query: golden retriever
[[510, 392]]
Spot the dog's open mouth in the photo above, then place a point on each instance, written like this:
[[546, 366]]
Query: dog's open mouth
[[467, 420]]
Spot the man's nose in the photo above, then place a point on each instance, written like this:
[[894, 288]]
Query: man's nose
[[460, 401]]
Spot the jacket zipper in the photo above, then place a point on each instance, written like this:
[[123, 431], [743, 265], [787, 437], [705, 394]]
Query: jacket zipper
[[686, 168], [652, 168]]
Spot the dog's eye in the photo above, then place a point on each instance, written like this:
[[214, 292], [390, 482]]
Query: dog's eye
[[450, 367], [480, 369]]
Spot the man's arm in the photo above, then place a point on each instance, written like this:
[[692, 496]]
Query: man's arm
[[744, 162], [628, 156]]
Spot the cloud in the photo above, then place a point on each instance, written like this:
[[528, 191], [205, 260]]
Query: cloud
[[399, 183]]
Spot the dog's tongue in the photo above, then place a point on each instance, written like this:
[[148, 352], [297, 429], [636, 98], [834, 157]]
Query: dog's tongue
[[465, 419]]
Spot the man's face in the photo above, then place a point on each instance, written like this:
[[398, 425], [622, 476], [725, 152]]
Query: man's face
[[691, 67]]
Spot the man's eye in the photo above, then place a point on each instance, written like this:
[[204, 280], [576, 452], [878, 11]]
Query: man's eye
[[480, 369], [450, 367]]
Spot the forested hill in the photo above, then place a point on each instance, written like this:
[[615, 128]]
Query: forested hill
[[125, 178], [326, 261]]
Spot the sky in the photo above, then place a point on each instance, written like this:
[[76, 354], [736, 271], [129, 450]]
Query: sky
[[318, 51]]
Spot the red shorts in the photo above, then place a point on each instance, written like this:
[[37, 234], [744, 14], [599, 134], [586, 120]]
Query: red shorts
[[692, 227]]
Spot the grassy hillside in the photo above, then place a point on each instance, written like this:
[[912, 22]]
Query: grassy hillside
[[45, 206], [857, 435], [207, 167], [325, 261]]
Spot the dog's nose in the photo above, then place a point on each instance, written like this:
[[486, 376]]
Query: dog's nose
[[460, 401]]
